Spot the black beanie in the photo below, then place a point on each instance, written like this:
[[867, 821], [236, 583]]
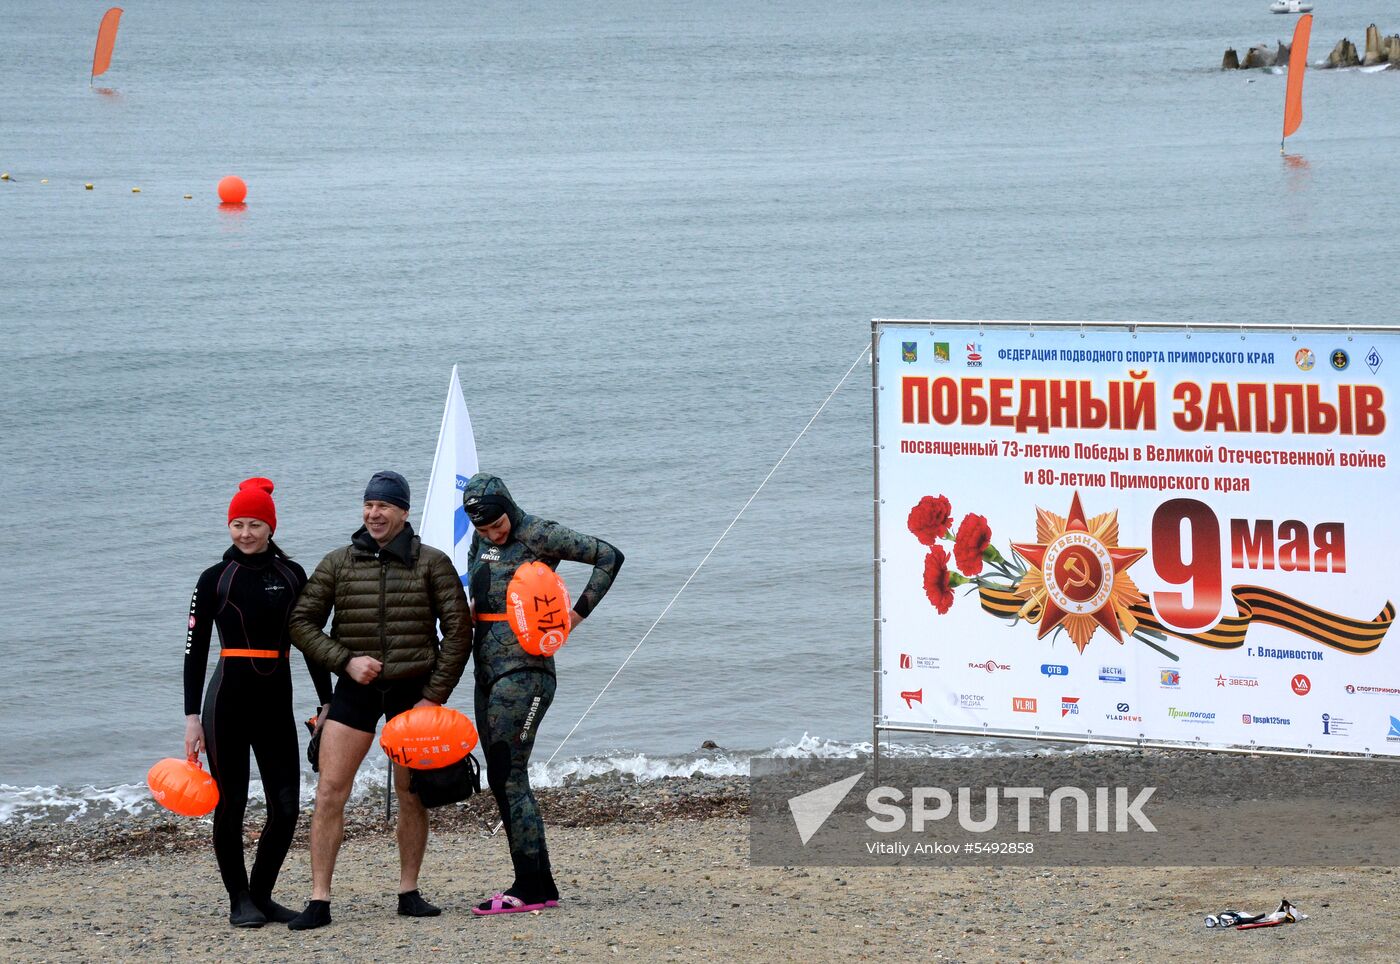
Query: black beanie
[[388, 487], [484, 509]]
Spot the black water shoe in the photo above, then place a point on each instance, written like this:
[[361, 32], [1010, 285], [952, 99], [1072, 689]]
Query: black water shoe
[[317, 914], [274, 911], [243, 912], [412, 904]]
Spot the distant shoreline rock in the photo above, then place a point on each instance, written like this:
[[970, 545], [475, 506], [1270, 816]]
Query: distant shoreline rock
[[1379, 50]]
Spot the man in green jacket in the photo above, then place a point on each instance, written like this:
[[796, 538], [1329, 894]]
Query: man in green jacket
[[390, 593]]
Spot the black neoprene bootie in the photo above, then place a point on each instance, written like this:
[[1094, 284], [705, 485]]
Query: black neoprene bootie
[[412, 904], [317, 914], [243, 912], [274, 911]]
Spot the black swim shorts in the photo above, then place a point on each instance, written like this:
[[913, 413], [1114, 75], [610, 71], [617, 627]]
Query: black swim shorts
[[360, 706]]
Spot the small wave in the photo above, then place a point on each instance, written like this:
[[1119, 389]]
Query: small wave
[[58, 804]]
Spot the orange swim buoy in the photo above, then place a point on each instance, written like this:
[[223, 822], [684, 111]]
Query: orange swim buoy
[[428, 737], [232, 189], [537, 608], [183, 786]]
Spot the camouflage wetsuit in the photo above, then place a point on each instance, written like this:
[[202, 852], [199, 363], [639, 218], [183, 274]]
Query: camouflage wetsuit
[[513, 688]]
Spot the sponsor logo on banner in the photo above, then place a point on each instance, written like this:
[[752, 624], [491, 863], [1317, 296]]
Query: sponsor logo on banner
[[972, 701], [941, 352], [1255, 719], [1302, 686], [990, 666], [1054, 669], [910, 351], [1394, 735], [974, 355], [1112, 674], [1340, 359], [1190, 716], [1361, 689], [1236, 681], [1123, 715], [1069, 706], [1170, 678], [1333, 725], [910, 697], [1373, 360], [1023, 704], [905, 662], [1304, 359]]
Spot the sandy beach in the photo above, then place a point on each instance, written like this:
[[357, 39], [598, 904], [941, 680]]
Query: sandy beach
[[657, 871]]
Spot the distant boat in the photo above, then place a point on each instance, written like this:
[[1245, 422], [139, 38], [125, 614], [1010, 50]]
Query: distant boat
[[1290, 6]]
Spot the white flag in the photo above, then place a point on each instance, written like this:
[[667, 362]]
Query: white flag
[[445, 524]]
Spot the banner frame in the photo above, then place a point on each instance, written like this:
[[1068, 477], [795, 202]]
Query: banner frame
[[877, 326]]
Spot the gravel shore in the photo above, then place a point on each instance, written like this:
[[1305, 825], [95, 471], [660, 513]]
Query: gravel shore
[[656, 871]]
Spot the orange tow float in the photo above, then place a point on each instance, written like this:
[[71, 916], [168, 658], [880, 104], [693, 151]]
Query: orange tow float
[[537, 608]]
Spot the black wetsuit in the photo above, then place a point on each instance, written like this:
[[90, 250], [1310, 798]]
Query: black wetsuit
[[249, 705], [513, 688]]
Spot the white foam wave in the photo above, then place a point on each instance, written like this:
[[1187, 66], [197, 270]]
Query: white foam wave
[[59, 804]]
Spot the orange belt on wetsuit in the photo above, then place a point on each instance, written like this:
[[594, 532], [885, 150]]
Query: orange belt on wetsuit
[[254, 653], [491, 617]]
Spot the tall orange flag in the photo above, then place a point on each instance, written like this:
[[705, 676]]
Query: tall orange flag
[[106, 40], [1297, 65]]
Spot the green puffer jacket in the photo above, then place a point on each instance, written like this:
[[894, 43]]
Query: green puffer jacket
[[386, 603]]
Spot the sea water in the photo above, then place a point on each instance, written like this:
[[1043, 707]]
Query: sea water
[[652, 236]]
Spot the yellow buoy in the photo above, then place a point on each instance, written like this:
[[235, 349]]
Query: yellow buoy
[[136, 190], [87, 186], [189, 197], [5, 176], [43, 180]]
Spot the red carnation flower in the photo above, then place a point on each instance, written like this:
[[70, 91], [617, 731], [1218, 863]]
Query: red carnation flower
[[974, 535], [937, 581], [931, 519]]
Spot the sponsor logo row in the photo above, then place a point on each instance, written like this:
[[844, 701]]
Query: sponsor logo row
[[1331, 724], [1168, 677]]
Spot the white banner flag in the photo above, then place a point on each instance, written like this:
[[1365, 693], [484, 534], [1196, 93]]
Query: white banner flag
[[445, 525]]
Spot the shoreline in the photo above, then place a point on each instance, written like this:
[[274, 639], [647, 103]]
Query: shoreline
[[656, 871]]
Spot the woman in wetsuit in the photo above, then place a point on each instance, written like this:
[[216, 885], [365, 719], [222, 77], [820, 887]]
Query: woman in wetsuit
[[513, 688], [248, 596]]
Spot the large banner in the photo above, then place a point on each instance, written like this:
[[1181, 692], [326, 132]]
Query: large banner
[[1139, 534]]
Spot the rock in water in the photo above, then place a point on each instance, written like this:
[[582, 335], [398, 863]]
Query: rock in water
[[1257, 57], [1281, 58], [1231, 61], [1373, 47]]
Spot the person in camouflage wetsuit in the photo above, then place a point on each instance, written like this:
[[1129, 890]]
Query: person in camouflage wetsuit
[[513, 688]]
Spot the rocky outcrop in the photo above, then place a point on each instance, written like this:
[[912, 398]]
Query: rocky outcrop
[[1373, 54], [1343, 55], [1379, 50]]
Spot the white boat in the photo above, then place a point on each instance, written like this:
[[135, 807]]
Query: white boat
[[1290, 6]]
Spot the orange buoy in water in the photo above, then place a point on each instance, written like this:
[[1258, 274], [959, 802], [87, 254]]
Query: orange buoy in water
[[232, 190], [428, 737], [537, 608], [183, 786]]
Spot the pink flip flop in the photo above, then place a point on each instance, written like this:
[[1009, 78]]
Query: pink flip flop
[[508, 904]]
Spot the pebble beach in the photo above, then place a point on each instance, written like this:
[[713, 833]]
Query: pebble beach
[[655, 872]]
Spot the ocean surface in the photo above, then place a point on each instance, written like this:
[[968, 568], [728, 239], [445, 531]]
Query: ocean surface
[[652, 236]]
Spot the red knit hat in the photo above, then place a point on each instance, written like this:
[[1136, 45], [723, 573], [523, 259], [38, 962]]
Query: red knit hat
[[254, 501]]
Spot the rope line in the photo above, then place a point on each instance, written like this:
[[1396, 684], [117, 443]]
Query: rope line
[[863, 352]]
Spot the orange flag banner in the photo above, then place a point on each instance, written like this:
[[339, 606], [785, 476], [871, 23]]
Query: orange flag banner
[[1297, 65], [106, 40]]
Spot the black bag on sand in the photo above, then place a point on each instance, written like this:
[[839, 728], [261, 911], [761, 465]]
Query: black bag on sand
[[449, 784], [313, 749]]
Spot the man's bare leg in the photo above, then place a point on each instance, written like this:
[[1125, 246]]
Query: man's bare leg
[[343, 749], [412, 831]]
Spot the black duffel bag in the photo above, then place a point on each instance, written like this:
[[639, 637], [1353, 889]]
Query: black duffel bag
[[449, 784]]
